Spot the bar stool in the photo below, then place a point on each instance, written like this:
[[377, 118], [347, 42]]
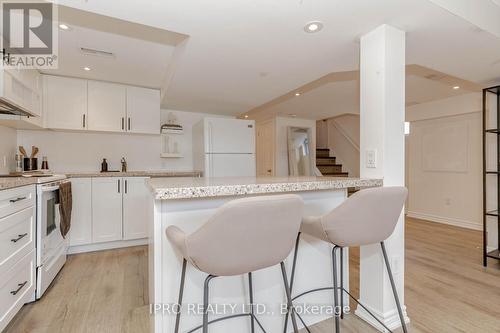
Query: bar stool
[[243, 236], [367, 217]]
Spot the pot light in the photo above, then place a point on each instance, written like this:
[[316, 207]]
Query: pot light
[[246, 116], [86, 69], [456, 87], [297, 94], [63, 26], [313, 26]]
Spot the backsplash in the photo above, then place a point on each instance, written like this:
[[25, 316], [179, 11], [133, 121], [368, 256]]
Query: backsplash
[[7, 149]]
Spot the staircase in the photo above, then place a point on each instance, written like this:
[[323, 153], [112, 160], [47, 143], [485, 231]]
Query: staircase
[[328, 165]]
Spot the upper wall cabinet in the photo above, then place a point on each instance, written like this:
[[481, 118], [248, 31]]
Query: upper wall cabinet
[[107, 105], [65, 103], [143, 110], [77, 104]]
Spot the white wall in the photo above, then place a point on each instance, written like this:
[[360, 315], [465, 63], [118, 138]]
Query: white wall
[[343, 141], [282, 125], [445, 161], [7, 149], [79, 151]]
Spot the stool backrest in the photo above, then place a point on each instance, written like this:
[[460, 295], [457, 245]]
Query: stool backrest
[[246, 235], [367, 217]]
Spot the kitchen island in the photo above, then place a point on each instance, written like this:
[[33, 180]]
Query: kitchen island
[[190, 202]]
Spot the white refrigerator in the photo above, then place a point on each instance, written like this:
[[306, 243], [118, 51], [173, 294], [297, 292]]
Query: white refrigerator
[[224, 147]]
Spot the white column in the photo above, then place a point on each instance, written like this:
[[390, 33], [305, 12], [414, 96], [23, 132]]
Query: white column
[[382, 144]]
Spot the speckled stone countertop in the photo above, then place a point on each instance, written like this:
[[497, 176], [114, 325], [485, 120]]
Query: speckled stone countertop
[[135, 174], [12, 182], [191, 188]]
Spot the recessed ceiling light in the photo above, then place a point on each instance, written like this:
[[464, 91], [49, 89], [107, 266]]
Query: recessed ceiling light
[[293, 115], [246, 116], [86, 68], [297, 94], [313, 26], [63, 26], [456, 87]]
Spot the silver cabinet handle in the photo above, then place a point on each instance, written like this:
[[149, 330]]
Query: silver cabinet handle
[[126, 186], [19, 237], [16, 200], [20, 286], [129, 123], [123, 124], [118, 185], [84, 121]]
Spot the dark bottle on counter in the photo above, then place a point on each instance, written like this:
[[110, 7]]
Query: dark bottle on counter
[[104, 165]]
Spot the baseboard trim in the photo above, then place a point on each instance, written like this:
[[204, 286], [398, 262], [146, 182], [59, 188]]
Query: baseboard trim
[[446, 220], [106, 246], [390, 318]]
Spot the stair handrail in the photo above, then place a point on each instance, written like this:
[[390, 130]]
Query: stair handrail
[[345, 134]]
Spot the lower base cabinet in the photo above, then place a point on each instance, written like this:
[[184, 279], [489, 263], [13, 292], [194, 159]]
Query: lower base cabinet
[[108, 209]]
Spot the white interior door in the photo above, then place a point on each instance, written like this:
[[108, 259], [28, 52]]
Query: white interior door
[[135, 208], [143, 110], [106, 209], [106, 106], [230, 165], [80, 232], [229, 136]]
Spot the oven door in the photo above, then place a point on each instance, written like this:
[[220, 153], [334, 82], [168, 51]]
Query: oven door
[[49, 233]]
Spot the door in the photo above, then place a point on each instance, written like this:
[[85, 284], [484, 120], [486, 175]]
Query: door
[[143, 110], [106, 106], [229, 136], [230, 165], [65, 103], [135, 208], [106, 209], [80, 232], [265, 148]]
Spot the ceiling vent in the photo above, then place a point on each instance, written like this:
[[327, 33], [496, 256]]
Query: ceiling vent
[[97, 53]]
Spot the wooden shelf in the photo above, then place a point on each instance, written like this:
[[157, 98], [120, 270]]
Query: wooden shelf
[[171, 155]]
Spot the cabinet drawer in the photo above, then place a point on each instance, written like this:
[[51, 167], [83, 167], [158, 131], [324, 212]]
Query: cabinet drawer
[[16, 288], [14, 200], [17, 237]]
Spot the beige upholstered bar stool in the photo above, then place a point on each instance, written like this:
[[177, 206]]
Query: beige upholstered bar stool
[[367, 217], [243, 236]]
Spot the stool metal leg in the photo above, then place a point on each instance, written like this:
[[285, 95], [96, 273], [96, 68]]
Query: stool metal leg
[[205, 303], [342, 282], [393, 285], [289, 298], [181, 293], [335, 289], [295, 254], [250, 287]]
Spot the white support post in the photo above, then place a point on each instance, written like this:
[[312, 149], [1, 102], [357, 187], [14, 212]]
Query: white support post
[[382, 155]]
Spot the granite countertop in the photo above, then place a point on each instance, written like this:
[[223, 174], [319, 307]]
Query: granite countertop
[[135, 174], [190, 188], [12, 182]]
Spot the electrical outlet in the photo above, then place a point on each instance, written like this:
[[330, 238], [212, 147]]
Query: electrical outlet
[[395, 265], [371, 159]]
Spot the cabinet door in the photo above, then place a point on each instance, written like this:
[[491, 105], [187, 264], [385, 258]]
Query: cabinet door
[[107, 106], [143, 110], [80, 232], [106, 209], [65, 103], [135, 208]]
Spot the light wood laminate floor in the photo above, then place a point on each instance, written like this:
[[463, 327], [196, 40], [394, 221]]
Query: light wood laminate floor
[[447, 289]]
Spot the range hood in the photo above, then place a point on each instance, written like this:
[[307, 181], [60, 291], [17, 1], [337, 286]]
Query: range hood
[[7, 107]]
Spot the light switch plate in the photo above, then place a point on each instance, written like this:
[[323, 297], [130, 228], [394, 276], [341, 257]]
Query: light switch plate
[[371, 158]]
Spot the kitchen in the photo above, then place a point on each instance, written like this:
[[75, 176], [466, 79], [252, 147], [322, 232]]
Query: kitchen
[[163, 172]]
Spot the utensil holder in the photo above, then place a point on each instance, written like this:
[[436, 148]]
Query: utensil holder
[[30, 164]]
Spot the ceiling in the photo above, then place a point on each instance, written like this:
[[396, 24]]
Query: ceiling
[[140, 55], [241, 54]]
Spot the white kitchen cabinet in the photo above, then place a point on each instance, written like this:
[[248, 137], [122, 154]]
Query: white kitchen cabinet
[[143, 110], [106, 209], [81, 216], [135, 204], [65, 103], [106, 106]]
